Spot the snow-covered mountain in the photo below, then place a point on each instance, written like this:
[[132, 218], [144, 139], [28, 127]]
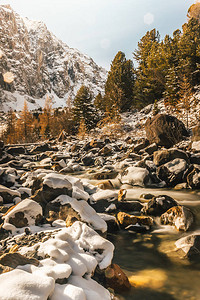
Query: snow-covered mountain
[[41, 64]]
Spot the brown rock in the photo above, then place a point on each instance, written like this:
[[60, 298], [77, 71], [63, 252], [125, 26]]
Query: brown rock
[[56, 211], [179, 216], [122, 195], [10, 261], [97, 143], [117, 279], [163, 156], [104, 185], [165, 130], [106, 150], [126, 220], [193, 178]]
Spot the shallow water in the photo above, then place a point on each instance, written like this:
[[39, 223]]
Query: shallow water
[[150, 260]]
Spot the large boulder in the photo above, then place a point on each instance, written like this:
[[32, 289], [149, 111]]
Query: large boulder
[[190, 245], [159, 205], [49, 187], [104, 200], [193, 178], [163, 156], [71, 210], [165, 130], [117, 279], [178, 216], [125, 220], [26, 213], [135, 176], [7, 195], [172, 172]]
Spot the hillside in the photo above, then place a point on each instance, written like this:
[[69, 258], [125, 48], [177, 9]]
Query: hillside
[[41, 64]]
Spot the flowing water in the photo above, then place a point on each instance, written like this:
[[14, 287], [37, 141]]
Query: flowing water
[[155, 269]]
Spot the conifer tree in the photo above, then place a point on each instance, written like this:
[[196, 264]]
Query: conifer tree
[[150, 74], [83, 109], [186, 100], [189, 48], [171, 93], [120, 83]]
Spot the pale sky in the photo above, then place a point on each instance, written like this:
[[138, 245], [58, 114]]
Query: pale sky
[[100, 28]]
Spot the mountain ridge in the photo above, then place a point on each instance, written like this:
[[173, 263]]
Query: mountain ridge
[[42, 64]]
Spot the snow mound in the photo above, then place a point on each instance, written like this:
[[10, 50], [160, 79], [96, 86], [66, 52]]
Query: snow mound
[[86, 212], [70, 254]]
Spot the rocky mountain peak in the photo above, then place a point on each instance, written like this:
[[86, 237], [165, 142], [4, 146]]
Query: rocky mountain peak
[[41, 64]]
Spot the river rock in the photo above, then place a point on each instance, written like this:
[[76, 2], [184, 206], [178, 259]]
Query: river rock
[[88, 160], [158, 205], [95, 143], [122, 195], [193, 178], [49, 187], [117, 279], [105, 185], [165, 130], [195, 158], [172, 172], [104, 200], [71, 210], [178, 216], [190, 245], [111, 221], [8, 176], [126, 220], [135, 176], [106, 150], [43, 148], [16, 150], [196, 146], [163, 156], [141, 145], [7, 195], [24, 214], [129, 206], [12, 260], [151, 148]]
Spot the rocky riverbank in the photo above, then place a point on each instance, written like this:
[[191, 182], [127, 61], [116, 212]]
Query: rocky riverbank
[[60, 198]]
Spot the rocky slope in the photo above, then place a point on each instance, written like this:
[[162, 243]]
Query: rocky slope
[[41, 64]]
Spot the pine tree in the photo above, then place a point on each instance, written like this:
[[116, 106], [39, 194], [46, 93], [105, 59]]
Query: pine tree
[[186, 100], [150, 73], [189, 49], [83, 109], [120, 84], [171, 93]]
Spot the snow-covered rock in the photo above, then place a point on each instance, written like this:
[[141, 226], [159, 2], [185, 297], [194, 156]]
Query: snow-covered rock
[[178, 216], [80, 210], [24, 214], [67, 255], [135, 176]]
